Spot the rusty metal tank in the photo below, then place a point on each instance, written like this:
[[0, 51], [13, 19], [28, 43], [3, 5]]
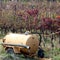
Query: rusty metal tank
[[19, 41]]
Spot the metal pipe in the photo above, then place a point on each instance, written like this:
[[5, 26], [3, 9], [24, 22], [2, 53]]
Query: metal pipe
[[20, 45]]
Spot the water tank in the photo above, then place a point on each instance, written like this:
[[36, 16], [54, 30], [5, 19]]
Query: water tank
[[30, 40]]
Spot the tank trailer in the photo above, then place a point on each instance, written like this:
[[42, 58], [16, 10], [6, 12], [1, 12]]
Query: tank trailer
[[27, 44]]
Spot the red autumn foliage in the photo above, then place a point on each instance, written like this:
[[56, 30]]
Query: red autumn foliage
[[32, 12]]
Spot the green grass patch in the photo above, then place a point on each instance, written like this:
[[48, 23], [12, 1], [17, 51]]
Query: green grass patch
[[56, 57]]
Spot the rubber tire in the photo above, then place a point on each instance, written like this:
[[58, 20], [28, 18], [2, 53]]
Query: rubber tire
[[10, 51], [40, 53]]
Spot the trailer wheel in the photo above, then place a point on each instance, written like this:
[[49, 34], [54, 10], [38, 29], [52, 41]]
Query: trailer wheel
[[41, 53], [10, 51]]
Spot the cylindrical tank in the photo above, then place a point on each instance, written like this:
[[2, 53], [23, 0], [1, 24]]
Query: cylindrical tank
[[30, 40]]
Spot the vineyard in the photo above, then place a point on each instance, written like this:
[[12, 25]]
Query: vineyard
[[37, 16]]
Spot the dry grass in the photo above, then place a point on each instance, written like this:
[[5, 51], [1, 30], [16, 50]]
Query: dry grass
[[45, 59]]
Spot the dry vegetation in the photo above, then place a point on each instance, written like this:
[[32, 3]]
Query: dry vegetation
[[36, 16], [22, 16]]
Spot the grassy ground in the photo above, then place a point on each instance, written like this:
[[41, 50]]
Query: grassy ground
[[50, 52]]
